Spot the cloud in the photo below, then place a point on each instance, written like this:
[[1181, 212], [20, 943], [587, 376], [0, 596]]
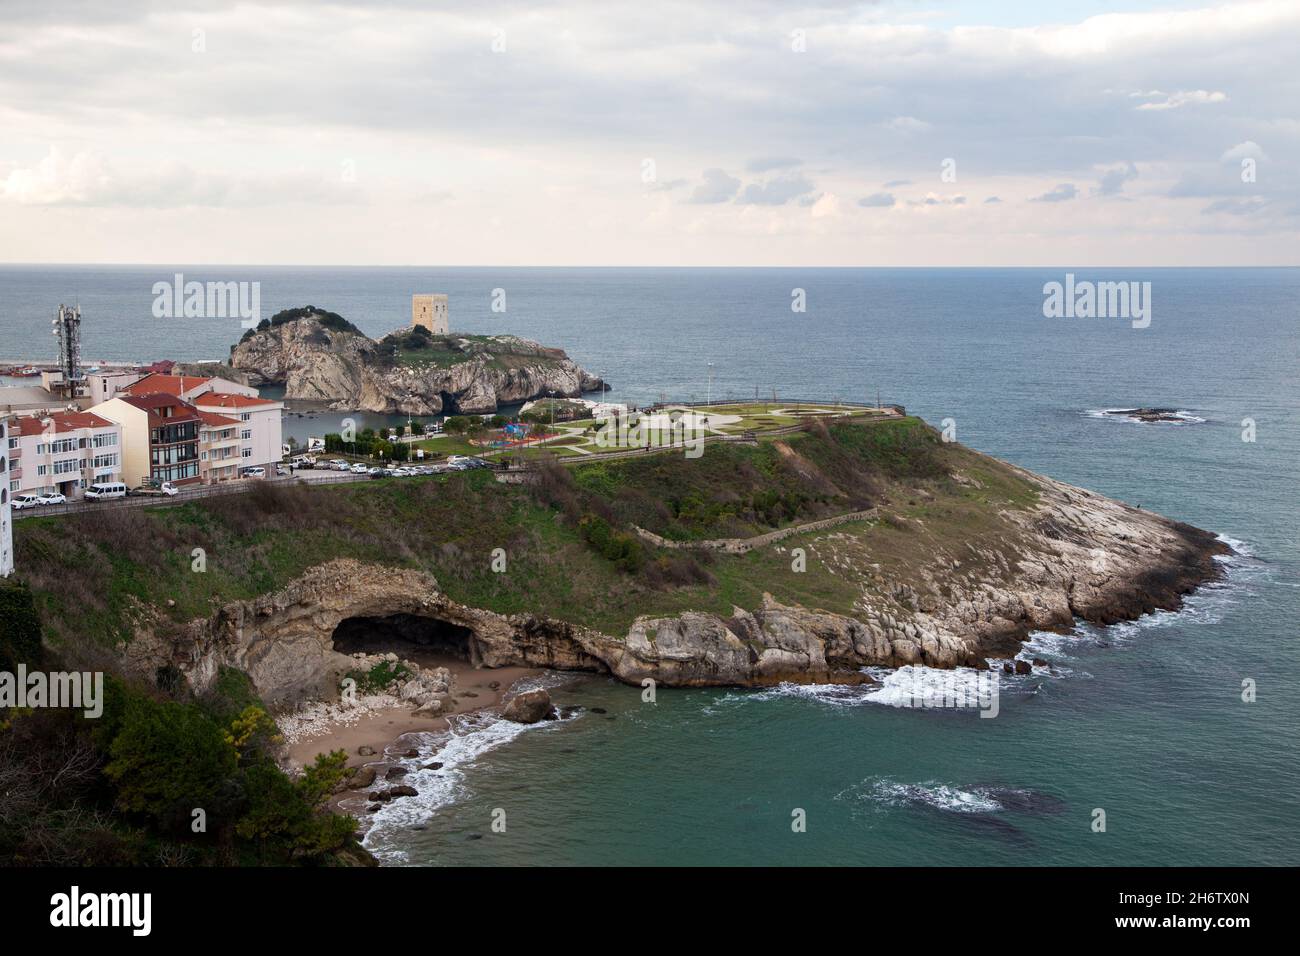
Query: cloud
[[717, 187], [90, 179], [1113, 179], [934, 199], [877, 201], [907, 124], [1247, 206], [992, 199], [1059, 193], [1247, 150], [419, 99], [827, 206], [775, 192], [765, 164], [1182, 98]]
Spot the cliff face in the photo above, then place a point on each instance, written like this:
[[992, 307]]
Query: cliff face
[[431, 374], [1078, 555]]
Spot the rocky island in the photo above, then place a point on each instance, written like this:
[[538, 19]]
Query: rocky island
[[318, 356]]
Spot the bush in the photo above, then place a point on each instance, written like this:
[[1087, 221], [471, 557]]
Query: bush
[[168, 759], [20, 628]]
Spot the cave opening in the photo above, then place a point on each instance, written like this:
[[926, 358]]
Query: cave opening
[[411, 636]]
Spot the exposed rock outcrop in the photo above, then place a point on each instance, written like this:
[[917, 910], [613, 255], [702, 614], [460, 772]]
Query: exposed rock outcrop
[[528, 707], [331, 362]]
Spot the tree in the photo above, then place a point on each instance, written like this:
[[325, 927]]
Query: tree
[[168, 759], [20, 629]]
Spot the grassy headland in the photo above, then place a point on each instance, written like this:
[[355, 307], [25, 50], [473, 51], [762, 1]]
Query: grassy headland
[[569, 537]]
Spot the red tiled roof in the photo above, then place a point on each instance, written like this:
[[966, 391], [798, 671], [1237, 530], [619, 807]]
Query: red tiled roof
[[63, 422], [226, 400], [151, 403], [220, 421], [166, 384]]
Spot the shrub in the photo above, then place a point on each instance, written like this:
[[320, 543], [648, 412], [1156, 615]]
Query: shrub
[[168, 759], [20, 628]]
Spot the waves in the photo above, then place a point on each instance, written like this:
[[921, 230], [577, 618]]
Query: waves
[[1051, 656], [457, 750], [1166, 416]]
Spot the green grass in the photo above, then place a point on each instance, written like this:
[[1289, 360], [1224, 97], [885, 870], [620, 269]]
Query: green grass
[[96, 576]]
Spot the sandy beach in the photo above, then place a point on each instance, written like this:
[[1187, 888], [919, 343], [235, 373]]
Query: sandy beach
[[379, 729]]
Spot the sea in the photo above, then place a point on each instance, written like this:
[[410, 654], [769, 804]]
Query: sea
[[1169, 740]]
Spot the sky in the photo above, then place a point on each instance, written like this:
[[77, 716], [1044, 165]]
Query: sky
[[674, 133]]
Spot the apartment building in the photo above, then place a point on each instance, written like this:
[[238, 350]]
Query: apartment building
[[186, 387], [63, 452], [160, 437], [6, 509], [226, 426], [219, 447], [260, 425]]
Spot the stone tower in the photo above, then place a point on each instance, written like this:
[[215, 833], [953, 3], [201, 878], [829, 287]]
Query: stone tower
[[430, 311]]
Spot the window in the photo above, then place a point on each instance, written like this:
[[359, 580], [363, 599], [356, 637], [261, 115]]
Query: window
[[246, 434], [107, 440], [58, 447], [66, 466], [106, 461], [41, 470], [246, 452]]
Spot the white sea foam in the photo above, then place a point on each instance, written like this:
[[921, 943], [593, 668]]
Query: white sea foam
[[469, 738], [1180, 416], [939, 796]]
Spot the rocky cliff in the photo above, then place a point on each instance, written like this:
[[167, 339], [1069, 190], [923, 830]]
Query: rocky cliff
[[1077, 555], [317, 356]]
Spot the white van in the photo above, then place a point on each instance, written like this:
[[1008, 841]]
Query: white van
[[106, 489]]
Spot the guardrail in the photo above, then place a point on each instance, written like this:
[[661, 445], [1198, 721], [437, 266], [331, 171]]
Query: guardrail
[[240, 487]]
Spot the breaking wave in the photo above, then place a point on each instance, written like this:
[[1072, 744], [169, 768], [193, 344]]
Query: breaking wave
[[1173, 416]]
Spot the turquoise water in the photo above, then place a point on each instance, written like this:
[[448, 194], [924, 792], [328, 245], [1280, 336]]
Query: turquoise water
[[1144, 721]]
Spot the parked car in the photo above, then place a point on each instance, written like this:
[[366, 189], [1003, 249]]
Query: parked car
[[54, 498], [338, 464], [280, 469], [255, 472], [103, 490], [360, 469], [155, 488], [26, 501]]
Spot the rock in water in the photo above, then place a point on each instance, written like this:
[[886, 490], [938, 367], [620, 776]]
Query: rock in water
[[528, 707]]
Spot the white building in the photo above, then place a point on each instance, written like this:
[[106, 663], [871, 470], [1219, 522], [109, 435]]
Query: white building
[[238, 428], [6, 510], [63, 452], [260, 426]]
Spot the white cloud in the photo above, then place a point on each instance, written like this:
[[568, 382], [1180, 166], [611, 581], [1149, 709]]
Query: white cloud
[[718, 186], [1182, 98], [505, 146]]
